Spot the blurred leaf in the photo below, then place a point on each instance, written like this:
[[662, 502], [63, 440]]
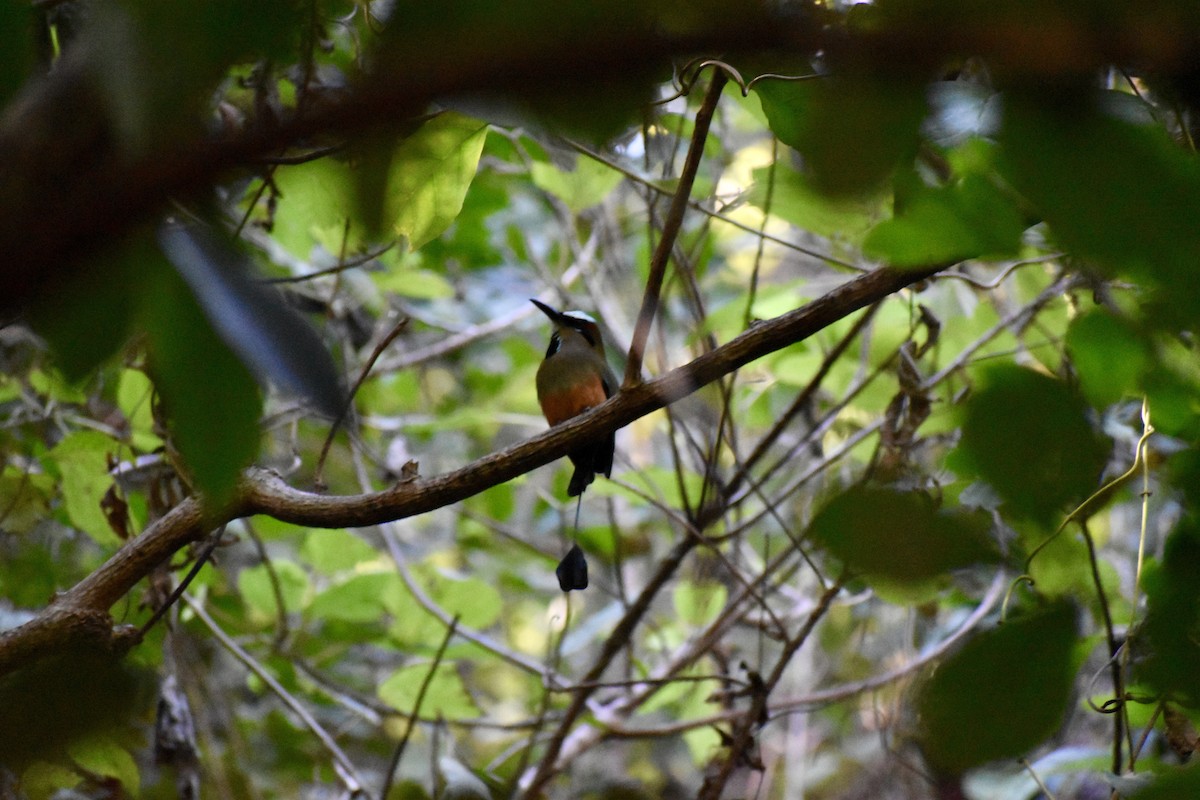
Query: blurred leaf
[[1002, 694], [1172, 386], [699, 603], [359, 599], [475, 601], [851, 132], [24, 499], [315, 202], [331, 551], [595, 109], [211, 402], [1173, 616], [1028, 436], [1108, 355], [899, 536], [419, 284], [157, 63], [42, 779], [1180, 783], [1062, 567], [581, 188], [66, 699], [269, 337], [82, 461], [258, 591], [794, 199], [88, 316], [135, 398], [102, 756], [446, 695], [1112, 190], [31, 573], [969, 219], [18, 22]]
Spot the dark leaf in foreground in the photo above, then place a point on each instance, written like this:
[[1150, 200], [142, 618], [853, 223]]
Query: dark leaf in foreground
[[266, 335]]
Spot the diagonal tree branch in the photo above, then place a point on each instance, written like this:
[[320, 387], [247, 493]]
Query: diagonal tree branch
[[79, 615], [670, 230]]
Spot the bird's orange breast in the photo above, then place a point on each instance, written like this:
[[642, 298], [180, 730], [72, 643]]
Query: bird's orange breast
[[559, 406]]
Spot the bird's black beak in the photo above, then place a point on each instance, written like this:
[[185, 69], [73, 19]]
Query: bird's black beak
[[557, 317]]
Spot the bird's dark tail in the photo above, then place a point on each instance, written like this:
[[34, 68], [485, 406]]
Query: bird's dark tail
[[582, 478], [594, 460]]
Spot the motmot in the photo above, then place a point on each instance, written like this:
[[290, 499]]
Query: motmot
[[573, 377]]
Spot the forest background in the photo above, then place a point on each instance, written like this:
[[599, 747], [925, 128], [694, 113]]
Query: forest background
[[903, 297]]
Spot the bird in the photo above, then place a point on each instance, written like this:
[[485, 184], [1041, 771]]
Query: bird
[[572, 378]]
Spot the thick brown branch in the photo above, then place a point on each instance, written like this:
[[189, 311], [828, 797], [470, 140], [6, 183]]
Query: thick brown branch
[[262, 492]]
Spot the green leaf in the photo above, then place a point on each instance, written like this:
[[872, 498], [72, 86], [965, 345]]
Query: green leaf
[[1173, 616], [794, 199], [331, 551], [17, 25], [698, 604], [414, 187], [1111, 190], [211, 400], [360, 599], [258, 592], [1108, 356], [82, 461], [102, 756], [476, 601], [900, 536], [90, 315], [1180, 783], [25, 499], [1002, 694], [1028, 436], [428, 177], [42, 779], [135, 394], [581, 188], [446, 696], [431, 173], [852, 132], [315, 202], [156, 64], [970, 219], [419, 284], [67, 698]]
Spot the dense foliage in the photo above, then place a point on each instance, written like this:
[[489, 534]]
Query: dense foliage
[[903, 297]]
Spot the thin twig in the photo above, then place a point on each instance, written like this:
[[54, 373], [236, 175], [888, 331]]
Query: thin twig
[[739, 742], [342, 764], [671, 227], [613, 645], [178, 591], [397, 329], [416, 710]]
